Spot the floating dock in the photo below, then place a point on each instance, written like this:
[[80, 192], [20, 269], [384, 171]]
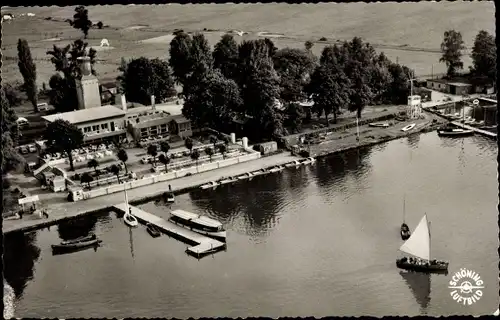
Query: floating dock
[[202, 245], [480, 131]]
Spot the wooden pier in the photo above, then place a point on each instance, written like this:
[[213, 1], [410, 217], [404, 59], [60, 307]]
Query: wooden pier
[[480, 131], [202, 245]]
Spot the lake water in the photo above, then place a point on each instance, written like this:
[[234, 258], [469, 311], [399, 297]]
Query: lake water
[[314, 241]]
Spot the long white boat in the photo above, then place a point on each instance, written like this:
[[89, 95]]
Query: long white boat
[[379, 124], [452, 132], [276, 169], [199, 224]]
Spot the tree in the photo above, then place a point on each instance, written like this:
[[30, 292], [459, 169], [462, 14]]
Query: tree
[[116, 171], [63, 94], [11, 159], [200, 52], [81, 20], [213, 102], [93, 163], [145, 77], [380, 78], [100, 24], [164, 146], [295, 113], [226, 56], [210, 152], [484, 56], [165, 160], [270, 47], [222, 150], [451, 48], [397, 91], [12, 94], [28, 70], [123, 157], [213, 140], [188, 143], [308, 45], [153, 152], [86, 178], [195, 155], [65, 137], [329, 86], [180, 57]]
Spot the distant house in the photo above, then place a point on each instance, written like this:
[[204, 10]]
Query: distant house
[[461, 85]]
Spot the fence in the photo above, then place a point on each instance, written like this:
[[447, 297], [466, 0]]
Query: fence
[[170, 175]]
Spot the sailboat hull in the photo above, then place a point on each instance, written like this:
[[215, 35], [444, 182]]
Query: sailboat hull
[[405, 235], [438, 267]]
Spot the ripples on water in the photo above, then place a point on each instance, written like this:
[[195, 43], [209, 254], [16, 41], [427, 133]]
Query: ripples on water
[[318, 240]]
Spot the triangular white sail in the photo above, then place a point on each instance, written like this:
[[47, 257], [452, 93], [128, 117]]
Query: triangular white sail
[[419, 243], [126, 201]]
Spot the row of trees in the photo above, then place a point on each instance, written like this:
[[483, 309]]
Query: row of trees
[[250, 80], [483, 54]]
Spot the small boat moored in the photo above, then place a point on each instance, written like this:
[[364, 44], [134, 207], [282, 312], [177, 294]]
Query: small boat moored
[[408, 127], [379, 124], [153, 230], [211, 184], [247, 175], [259, 172], [75, 245], [454, 132], [276, 169], [293, 164], [170, 197], [130, 220], [227, 180], [309, 160]]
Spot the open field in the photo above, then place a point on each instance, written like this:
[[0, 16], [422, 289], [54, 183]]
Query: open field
[[409, 32]]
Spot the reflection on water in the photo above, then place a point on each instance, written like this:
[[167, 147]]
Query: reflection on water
[[314, 240], [19, 257], [420, 286]]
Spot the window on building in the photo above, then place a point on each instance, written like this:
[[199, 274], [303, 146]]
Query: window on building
[[104, 126], [163, 128], [86, 129], [153, 130], [95, 128]]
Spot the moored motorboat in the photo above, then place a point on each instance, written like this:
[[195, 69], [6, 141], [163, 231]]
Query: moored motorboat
[[211, 184], [408, 127], [293, 164], [419, 247], [153, 230], [379, 124], [199, 224], [454, 132]]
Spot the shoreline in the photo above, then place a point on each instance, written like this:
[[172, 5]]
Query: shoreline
[[183, 185]]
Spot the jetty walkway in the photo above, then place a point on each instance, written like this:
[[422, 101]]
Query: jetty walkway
[[60, 209], [202, 245], [480, 131]]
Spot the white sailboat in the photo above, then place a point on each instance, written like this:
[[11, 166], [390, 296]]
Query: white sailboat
[[128, 218], [418, 246]]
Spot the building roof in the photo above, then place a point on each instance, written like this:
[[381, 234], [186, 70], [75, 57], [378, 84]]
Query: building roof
[[459, 84], [86, 115], [180, 119]]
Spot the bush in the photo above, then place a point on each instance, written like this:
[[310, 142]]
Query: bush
[[256, 147], [6, 184], [100, 24], [304, 153], [76, 177], [323, 39]]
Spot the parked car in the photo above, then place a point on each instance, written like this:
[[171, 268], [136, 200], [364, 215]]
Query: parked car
[[147, 159], [22, 122], [31, 148], [42, 106]]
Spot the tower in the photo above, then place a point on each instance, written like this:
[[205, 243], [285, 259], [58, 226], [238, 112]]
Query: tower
[[87, 88]]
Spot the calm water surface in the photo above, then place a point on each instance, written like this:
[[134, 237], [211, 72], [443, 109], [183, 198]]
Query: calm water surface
[[319, 240]]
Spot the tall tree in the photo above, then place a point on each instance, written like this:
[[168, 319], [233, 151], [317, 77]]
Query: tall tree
[[63, 136], [214, 102], [226, 56], [165, 159], [200, 52], [93, 163], [116, 171], [11, 159], [380, 78], [188, 143], [195, 155], [399, 89], [153, 152], [146, 77], [28, 70], [180, 57], [123, 75], [451, 48], [81, 20], [86, 178], [63, 87], [484, 55]]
